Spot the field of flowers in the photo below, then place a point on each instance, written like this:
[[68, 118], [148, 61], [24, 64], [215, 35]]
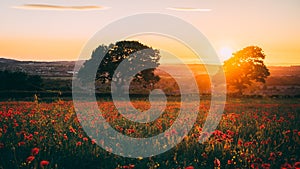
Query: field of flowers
[[253, 133]]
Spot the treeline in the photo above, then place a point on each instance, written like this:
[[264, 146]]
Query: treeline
[[20, 81]]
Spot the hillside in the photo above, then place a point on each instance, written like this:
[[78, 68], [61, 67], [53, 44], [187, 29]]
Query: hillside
[[284, 80]]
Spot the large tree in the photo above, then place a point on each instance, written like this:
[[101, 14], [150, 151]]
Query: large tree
[[246, 67], [137, 55]]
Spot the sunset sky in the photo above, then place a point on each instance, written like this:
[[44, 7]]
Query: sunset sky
[[59, 29]]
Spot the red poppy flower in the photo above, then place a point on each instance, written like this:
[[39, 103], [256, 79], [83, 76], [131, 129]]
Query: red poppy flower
[[43, 163], [254, 166], [204, 155], [297, 165], [130, 131], [29, 137], [240, 142], [29, 159], [266, 166], [79, 143], [21, 143], [189, 167], [72, 130], [126, 167], [217, 162], [94, 141], [65, 137], [286, 166], [35, 151]]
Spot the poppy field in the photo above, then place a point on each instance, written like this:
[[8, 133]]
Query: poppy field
[[253, 133]]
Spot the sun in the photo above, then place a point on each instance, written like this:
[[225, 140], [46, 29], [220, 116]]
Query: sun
[[225, 53]]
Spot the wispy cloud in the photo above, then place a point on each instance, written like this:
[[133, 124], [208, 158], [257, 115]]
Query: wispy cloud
[[58, 7], [189, 9]]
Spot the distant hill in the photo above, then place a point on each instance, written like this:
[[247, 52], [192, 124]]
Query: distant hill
[[4, 60], [42, 68], [284, 80]]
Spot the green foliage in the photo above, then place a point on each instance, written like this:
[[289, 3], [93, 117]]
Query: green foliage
[[19, 81], [57, 84], [246, 67], [109, 58]]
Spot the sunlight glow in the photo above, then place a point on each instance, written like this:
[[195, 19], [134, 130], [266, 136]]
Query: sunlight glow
[[225, 53]]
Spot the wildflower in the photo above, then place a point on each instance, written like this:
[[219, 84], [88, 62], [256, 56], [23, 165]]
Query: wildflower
[[240, 142], [29, 137], [72, 130], [85, 139], [286, 166], [65, 137], [43, 163], [262, 126], [130, 166], [266, 166], [30, 159], [217, 162], [79, 143], [254, 166], [35, 151], [226, 146], [21, 143], [231, 133], [297, 165], [248, 143], [287, 132], [189, 167], [243, 154], [272, 156], [204, 155], [130, 131], [94, 141], [229, 162], [15, 125]]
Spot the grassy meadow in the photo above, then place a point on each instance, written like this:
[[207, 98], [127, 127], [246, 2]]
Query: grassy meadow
[[253, 133]]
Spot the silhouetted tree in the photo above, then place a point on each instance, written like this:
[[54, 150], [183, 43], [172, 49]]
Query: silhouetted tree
[[245, 67], [137, 55]]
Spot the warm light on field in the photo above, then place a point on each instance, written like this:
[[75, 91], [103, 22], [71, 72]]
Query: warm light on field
[[250, 133]]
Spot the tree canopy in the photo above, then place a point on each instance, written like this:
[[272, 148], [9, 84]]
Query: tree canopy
[[246, 67], [110, 69]]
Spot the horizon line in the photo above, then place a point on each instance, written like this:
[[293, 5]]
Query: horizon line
[[169, 63]]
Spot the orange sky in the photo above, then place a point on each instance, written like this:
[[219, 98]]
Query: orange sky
[[58, 30]]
